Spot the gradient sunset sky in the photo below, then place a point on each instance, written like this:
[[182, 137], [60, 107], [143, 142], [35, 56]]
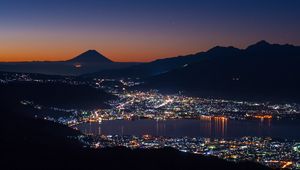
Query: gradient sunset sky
[[140, 30]]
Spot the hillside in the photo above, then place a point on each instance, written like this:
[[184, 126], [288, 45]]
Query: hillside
[[27, 143], [55, 94], [153, 68], [261, 71]]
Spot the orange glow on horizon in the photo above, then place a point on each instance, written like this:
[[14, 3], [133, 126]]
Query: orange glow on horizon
[[45, 57], [59, 45], [41, 48], [63, 55]]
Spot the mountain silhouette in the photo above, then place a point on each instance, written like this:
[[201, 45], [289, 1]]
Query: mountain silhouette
[[88, 62], [90, 56], [161, 66], [149, 69], [260, 44], [261, 71]]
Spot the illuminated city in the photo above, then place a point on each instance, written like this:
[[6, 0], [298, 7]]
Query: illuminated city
[[149, 84], [132, 105]]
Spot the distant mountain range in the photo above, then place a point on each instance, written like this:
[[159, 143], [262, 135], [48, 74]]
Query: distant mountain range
[[261, 71], [153, 68], [87, 62], [161, 66]]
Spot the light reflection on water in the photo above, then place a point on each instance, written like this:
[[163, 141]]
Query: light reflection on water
[[204, 127]]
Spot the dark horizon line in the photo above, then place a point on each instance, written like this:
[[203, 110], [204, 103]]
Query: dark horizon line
[[217, 46]]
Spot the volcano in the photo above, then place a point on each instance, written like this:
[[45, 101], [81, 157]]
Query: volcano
[[90, 56]]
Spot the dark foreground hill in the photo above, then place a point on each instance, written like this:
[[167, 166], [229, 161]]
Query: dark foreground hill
[[55, 94], [28, 143]]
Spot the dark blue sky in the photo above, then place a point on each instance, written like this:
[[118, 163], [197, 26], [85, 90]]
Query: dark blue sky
[[140, 30]]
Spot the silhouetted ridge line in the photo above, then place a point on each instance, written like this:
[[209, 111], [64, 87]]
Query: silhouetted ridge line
[[262, 71], [90, 56]]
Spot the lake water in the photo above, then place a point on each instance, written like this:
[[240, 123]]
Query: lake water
[[213, 128]]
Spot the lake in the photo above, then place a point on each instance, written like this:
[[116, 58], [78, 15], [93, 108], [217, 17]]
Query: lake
[[213, 128]]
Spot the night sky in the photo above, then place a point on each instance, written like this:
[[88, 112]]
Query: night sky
[[140, 30]]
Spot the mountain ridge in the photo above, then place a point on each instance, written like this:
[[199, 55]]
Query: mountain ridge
[[90, 56], [161, 66], [261, 71]]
